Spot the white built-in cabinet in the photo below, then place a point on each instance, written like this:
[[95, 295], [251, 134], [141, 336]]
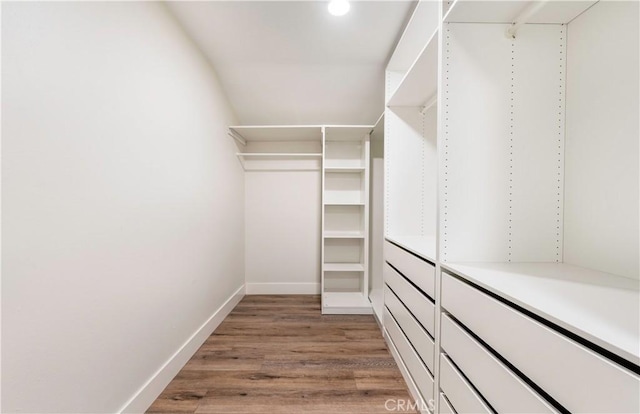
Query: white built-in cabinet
[[512, 255], [345, 220]]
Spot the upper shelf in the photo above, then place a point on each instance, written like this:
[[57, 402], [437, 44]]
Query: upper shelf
[[603, 308], [265, 133], [422, 24], [347, 132], [483, 11], [420, 83]]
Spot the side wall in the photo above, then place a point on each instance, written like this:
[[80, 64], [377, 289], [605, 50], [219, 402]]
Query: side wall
[[122, 205], [601, 170], [283, 230]]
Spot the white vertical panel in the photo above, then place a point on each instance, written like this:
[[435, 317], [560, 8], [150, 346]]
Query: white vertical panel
[[601, 198], [429, 172], [503, 143], [405, 173], [411, 159], [282, 216], [376, 231], [475, 186], [537, 144]]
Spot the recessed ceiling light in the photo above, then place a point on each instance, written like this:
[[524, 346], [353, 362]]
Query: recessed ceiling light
[[339, 7]]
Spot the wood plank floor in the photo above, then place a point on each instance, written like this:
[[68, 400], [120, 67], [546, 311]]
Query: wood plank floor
[[277, 354]]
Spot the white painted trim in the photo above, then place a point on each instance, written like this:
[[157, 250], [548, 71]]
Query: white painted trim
[[147, 394], [283, 288]]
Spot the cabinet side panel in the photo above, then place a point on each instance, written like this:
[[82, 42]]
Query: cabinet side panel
[[601, 195], [404, 171]]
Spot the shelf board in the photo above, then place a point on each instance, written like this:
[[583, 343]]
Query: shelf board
[[597, 306], [345, 303], [420, 83], [423, 21], [278, 155], [347, 132], [275, 133], [343, 203], [344, 169], [343, 235], [423, 246], [378, 130], [343, 267], [478, 11]]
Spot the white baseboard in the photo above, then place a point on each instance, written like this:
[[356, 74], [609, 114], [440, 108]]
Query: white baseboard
[[283, 288], [148, 393]]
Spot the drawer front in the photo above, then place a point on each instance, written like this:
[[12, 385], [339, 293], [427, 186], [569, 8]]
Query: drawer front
[[414, 332], [445, 407], [417, 370], [419, 305], [421, 273], [504, 390], [462, 396], [578, 378]]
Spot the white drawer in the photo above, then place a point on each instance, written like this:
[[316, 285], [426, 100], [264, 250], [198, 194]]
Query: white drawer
[[504, 390], [575, 376], [419, 305], [418, 337], [417, 370], [420, 272], [460, 393], [445, 407]]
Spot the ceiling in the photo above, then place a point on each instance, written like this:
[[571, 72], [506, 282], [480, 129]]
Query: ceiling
[[291, 62]]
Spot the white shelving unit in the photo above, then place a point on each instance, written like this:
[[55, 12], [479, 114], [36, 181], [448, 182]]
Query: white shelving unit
[[410, 152], [345, 242], [512, 168], [274, 147]]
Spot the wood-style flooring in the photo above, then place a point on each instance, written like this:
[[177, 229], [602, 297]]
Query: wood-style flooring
[[277, 354]]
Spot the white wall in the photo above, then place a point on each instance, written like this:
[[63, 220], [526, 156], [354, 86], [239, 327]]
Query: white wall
[[601, 170], [122, 202], [283, 231]]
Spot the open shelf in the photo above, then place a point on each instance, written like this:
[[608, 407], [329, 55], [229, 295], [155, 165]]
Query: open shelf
[[345, 303], [343, 218], [343, 234], [344, 169], [343, 267], [347, 132], [421, 24], [267, 133], [420, 83], [598, 306], [334, 202], [344, 187], [277, 155], [423, 246], [475, 11]]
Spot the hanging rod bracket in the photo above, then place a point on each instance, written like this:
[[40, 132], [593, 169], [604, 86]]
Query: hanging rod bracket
[[428, 104], [524, 16], [237, 137]]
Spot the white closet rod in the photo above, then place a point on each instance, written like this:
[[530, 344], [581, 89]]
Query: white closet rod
[[524, 16], [237, 138]]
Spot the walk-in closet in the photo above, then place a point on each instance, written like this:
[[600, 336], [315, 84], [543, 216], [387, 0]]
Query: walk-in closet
[[408, 206]]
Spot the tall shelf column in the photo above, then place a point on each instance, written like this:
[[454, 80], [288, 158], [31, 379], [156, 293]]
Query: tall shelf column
[[345, 221]]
